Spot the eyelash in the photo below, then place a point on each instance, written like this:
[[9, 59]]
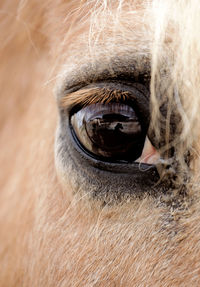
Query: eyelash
[[102, 92]]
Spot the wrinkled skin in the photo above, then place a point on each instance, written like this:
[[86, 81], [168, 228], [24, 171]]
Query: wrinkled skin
[[63, 220]]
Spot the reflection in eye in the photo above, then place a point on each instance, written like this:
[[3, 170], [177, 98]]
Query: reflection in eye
[[110, 131]]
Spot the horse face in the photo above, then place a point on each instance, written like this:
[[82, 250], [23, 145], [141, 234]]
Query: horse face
[[100, 127]]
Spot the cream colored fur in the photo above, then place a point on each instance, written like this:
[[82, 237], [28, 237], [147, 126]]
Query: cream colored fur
[[49, 236]]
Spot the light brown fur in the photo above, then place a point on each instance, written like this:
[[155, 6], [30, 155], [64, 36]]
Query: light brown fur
[[50, 236]]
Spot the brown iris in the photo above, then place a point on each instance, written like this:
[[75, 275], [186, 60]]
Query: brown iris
[[111, 131]]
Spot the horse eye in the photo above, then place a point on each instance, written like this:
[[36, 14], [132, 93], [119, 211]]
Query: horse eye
[[111, 132]]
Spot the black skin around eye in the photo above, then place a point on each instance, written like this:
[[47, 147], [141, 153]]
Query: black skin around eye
[[112, 131]]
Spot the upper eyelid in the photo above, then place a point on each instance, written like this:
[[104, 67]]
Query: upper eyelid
[[129, 66]]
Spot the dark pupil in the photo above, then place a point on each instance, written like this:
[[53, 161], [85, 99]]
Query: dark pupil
[[112, 131]]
